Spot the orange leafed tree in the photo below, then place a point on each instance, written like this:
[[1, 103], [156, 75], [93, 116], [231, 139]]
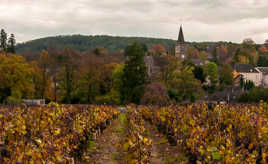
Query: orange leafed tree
[[262, 49], [158, 48]]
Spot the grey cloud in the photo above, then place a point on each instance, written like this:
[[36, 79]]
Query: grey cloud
[[203, 19]]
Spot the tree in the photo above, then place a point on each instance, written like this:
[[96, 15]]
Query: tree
[[40, 91], [192, 53], [55, 59], [11, 44], [183, 86], [44, 62], [248, 41], [203, 55], [199, 74], [158, 49], [68, 85], [255, 94], [96, 81], [167, 66], [226, 75], [248, 85], [100, 51], [262, 49], [16, 80], [117, 75], [89, 83], [211, 70], [134, 75], [263, 61], [223, 54], [246, 55], [156, 93], [106, 84], [3, 41]]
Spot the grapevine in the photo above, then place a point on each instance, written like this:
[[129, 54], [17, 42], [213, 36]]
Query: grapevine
[[227, 133], [137, 144], [53, 133]]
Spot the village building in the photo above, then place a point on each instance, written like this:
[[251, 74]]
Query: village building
[[264, 72], [258, 75]]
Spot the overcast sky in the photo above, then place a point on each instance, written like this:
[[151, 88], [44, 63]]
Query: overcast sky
[[203, 20]]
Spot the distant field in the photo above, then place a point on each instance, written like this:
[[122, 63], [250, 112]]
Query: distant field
[[145, 134]]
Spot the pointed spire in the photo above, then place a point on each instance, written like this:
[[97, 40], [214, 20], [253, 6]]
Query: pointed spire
[[181, 37]]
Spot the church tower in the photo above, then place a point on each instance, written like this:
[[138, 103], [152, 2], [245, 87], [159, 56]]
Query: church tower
[[181, 46]]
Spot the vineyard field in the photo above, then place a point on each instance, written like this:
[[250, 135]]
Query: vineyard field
[[101, 134]]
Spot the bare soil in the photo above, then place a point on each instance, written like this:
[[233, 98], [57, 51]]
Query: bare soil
[[107, 148]]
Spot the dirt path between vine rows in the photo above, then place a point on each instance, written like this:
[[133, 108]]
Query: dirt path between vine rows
[[162, 151], [106, 149]]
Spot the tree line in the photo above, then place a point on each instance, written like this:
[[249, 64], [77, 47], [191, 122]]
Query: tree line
[[98, 76], [7, 44], [68, 76]]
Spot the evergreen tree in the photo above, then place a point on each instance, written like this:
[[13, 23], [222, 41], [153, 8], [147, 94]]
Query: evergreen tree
[[3, 41], [199, 74], [134, 75], [11, 44]]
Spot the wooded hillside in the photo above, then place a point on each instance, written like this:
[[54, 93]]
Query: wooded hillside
[[84, 43]]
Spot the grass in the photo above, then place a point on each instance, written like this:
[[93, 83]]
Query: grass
[[118, 128], [92, 146], [123, 118]]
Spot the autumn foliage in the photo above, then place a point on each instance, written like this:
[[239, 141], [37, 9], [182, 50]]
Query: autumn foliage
[[226, 133], [155, 93], [136, 144], [53, 133], [262, 49], [158, 49]]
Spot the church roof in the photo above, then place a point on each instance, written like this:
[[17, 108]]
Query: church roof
[[181, 37]]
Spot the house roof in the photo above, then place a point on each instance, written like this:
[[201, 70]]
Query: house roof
[[264, 70], [245, 68]]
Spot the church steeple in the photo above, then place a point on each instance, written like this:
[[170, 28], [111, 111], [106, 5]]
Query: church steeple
[[181, 46], [181, 37]]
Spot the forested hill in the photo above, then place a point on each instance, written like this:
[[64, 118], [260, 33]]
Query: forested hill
[[84, 43]]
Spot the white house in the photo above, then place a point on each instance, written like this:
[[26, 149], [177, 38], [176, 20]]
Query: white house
[[264, 71], [249, 73]]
